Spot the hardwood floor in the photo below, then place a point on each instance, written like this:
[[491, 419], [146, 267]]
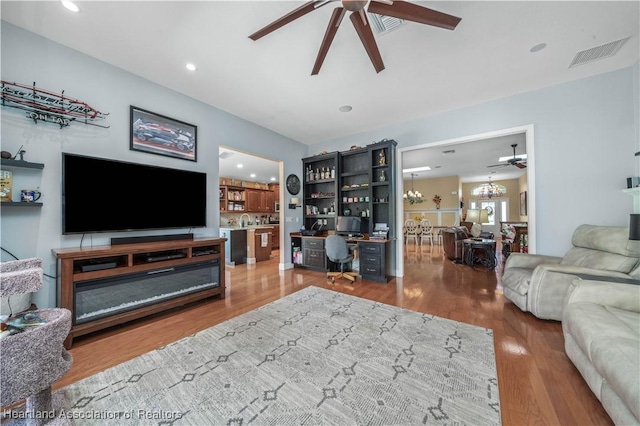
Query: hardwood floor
[[538, 384]]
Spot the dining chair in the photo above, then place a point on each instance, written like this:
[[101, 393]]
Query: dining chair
[[411, 228], [426, 229]]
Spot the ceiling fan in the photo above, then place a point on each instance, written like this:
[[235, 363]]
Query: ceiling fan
[[519, 162], [397, 9]]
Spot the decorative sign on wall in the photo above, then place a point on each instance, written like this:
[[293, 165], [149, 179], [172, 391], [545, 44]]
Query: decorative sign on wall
[[50, 107]]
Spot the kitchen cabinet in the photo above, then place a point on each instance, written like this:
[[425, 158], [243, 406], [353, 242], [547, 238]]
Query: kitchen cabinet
[[259, 201], [253, 200], [263, 237], [275, 237], [235, 248], [232, 199], [269, 201]]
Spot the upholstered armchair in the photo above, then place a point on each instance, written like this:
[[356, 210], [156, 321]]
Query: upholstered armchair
[[32, 360], [452, 242], [539, 284]]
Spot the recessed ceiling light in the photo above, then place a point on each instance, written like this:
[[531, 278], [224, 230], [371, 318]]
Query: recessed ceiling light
[[538, 47], [252, 175], [273, 178], [416, 169], [346, 108], [70, 5], [191, 67], [239, 166]]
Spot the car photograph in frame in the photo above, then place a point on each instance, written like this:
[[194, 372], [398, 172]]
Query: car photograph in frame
[[158, 134]]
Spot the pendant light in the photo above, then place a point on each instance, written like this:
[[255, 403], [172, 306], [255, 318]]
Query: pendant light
[[412, 196], [489, 190]]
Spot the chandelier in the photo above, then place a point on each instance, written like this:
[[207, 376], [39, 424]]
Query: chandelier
[[413, 196], [489, 190]]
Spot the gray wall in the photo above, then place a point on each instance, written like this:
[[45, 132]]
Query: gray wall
[[26, 58], [586, 134]]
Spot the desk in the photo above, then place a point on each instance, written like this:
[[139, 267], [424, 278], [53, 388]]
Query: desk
[[375, 255], [471, 255]]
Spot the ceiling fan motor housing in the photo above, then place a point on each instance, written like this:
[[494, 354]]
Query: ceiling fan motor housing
[[354, 5]]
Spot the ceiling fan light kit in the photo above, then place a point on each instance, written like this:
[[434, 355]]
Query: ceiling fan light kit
[[399, 9]]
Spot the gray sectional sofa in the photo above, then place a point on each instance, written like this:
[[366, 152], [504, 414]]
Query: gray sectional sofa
[[601, 326], [539, 284]]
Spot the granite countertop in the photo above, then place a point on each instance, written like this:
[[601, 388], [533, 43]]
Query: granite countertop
[[246, 227]]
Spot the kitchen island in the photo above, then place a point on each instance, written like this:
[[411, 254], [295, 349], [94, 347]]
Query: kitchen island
[[247, 244]]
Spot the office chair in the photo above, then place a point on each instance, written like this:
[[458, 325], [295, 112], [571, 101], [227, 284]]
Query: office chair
[[337, 251]]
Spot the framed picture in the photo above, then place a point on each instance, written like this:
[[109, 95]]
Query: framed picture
[[523, 203], [158, 134]]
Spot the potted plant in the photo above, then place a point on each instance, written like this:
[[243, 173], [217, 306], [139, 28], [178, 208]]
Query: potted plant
[[437, 200]]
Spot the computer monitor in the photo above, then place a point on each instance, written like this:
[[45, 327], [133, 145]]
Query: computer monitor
[[348, 225]]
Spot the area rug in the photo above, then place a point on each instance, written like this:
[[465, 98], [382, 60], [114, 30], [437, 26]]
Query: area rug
[[316, 357]]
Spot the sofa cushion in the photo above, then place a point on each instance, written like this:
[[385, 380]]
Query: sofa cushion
[[611, 239], [518, 279], [595, 259], [610, 338]]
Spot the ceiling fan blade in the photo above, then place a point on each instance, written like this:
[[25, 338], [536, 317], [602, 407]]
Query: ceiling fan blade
[[520, 165], [332, 28], [368, 41], [412, 12], [289, 17]]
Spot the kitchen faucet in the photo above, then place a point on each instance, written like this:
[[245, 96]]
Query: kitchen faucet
[[248, 219]]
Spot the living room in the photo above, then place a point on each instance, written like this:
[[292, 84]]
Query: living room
[[585, 131]]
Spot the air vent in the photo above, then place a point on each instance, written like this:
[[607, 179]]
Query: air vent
[[599, 52], [225, 154], [384, 24], [449, 151]]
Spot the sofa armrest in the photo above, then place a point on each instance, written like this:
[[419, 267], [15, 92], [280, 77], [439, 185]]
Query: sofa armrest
[[607, 293], [550, 284], [530, 261]]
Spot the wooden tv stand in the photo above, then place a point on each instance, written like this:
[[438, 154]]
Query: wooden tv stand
[[103, 286]]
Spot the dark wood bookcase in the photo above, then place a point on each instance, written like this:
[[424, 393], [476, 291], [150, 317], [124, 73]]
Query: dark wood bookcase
[[363, 186], [320, 189]]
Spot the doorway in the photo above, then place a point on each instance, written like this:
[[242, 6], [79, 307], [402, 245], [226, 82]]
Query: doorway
[[241, 166], [525, 132], [498, 212]]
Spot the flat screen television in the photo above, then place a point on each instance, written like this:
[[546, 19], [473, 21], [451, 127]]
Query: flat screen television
[[346, 225], [101, 195]]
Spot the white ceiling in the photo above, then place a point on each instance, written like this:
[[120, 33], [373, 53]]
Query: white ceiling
[[268, 82]]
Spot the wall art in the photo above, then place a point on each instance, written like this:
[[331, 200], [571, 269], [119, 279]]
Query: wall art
[[523, 203], [158, 134], [49, 107]]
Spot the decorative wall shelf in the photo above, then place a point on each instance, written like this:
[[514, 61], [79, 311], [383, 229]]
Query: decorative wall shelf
[[20, 163], [19, 204]]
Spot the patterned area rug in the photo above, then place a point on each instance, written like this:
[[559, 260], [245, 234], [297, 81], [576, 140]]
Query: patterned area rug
[[316, 357]]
